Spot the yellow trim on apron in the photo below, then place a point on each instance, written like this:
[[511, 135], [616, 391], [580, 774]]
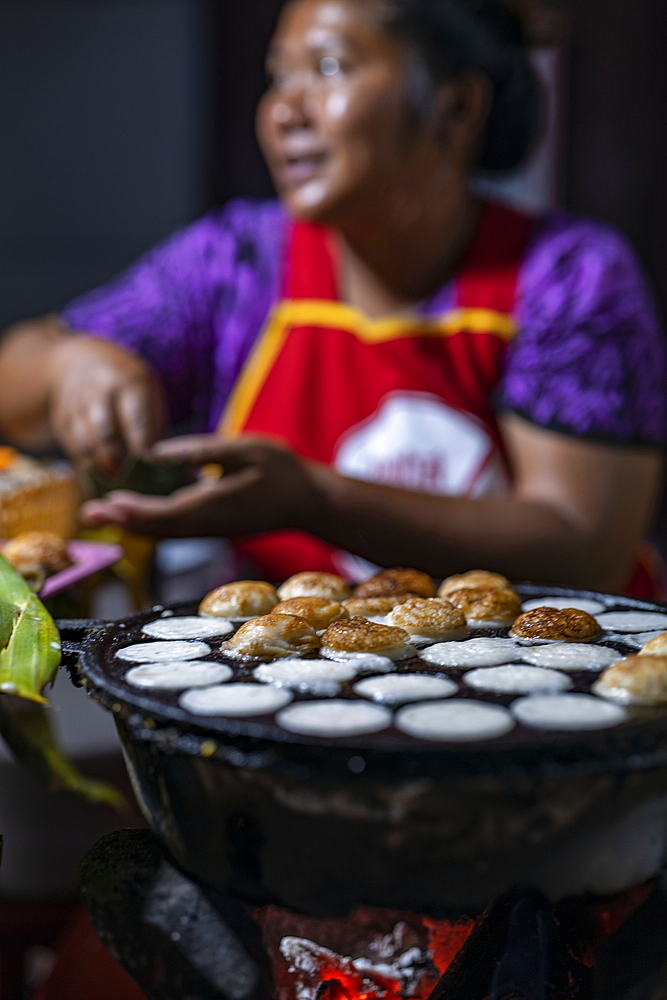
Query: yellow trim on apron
[[340, 316]]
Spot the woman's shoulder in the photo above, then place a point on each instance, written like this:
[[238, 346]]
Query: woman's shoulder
[[247, 216], [575, 266], [246, 230], [238, 243], [589, 359]]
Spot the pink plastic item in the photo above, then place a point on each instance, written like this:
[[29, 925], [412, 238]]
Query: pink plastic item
[[87, 558]]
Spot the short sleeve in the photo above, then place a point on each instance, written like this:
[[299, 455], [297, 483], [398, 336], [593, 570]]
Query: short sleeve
[[192, 306], [590, 358]]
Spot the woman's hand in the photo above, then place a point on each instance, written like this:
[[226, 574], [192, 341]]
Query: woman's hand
[[575, 515], [104, 402], [265, 487], [94, 399]]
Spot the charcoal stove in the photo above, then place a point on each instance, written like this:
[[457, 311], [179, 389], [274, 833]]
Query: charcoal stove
[[483, 846], [181, 942]]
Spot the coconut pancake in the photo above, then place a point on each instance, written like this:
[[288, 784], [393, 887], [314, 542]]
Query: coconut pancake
[[334, 717], [517, 678], [484, 607], [320, 612], [481, 578], [315, 584], [178, 675], [157, 652], [482, 651], [429, 619], [272, 636], [393, 689], [571, 656], [240, 600], [188, 627], [235, 700], [397, 581], [311, 676], [456, 721], [358, 635], [635, 680], [567, 712], [556, 625]]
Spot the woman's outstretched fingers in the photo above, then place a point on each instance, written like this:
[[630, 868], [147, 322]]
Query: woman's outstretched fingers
[[232, 453], [206, 508], [135, 512], [197, 449]]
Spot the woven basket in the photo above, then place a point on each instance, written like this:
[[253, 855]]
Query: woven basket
[[49, 503]]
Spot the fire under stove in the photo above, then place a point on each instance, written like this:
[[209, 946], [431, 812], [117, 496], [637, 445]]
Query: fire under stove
[[181, 942]]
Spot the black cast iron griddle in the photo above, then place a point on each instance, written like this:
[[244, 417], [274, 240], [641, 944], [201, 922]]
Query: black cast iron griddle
[[636, 744]]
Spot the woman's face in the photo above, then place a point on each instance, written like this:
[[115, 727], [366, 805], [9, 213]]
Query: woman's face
[[336, 124]]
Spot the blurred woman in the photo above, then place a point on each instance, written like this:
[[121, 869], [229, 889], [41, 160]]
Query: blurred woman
[[392, 370]]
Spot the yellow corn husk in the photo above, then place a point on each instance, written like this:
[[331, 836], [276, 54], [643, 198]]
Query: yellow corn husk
[[30, 653]]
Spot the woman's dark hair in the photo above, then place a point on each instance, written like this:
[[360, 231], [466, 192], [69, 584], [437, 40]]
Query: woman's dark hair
[[455, 36]]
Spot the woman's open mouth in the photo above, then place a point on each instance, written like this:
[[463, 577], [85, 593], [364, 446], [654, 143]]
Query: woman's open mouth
[[296, 170]]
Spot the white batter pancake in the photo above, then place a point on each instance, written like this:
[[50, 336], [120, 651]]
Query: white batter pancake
[[422, 641], [560, 603], [571, 656], [392, 689], [632, 621], [158, 652], [322, 677], [480, 652], [516, 678], [337, 717], [456, 721], [188, 627], [363, 661], [235, 700], [567, 712], [481, 626], [640, 639], [178, 675]]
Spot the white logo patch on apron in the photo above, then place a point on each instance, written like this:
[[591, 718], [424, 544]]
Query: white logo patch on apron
[[415, 441]]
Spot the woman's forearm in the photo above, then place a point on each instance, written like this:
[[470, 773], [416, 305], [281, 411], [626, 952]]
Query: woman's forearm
[[576, 513], [25, 381], [522, 539]]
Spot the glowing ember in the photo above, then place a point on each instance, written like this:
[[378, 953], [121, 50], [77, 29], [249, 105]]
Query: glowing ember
[[372, 955], [401, 955], [322, 973]]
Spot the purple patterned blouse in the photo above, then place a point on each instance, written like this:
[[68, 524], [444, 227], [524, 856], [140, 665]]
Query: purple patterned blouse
[[589, 360]]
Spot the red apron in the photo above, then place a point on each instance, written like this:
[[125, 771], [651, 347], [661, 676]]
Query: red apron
[[403, 400]]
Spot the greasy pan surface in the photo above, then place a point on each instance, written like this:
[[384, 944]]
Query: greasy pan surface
[[638, 743]]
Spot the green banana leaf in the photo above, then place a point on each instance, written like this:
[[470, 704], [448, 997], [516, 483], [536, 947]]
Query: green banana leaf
[[30, 653]]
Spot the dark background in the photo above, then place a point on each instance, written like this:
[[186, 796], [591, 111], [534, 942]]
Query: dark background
[[120, 120], [124, 119], [102, 118], [615, 123]]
